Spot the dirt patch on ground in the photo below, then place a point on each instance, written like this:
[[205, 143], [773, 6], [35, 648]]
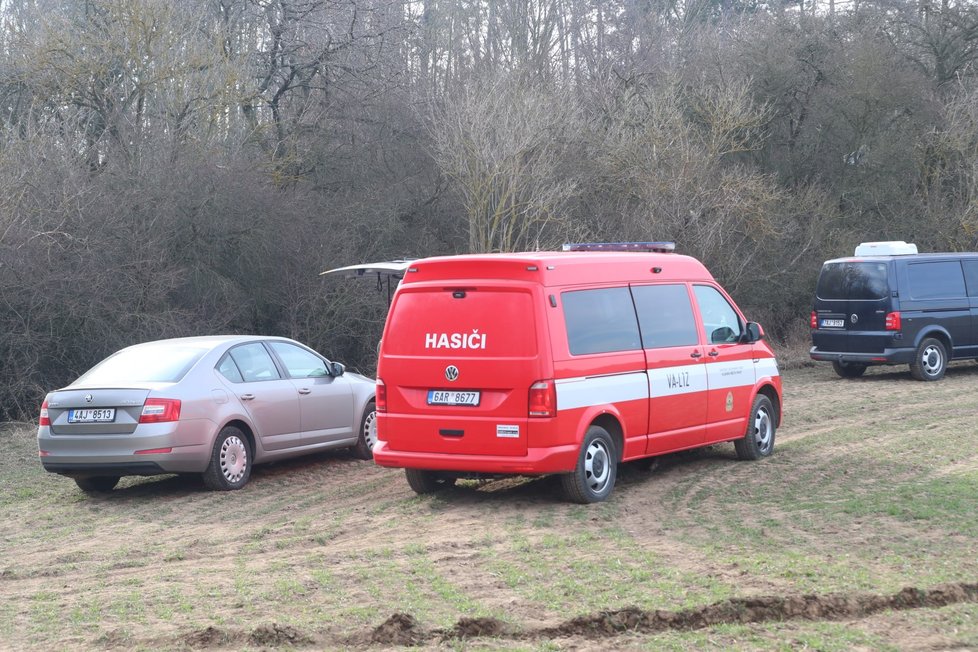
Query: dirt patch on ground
[[277, 635], [399, 629], [207, 638], [476, 627]]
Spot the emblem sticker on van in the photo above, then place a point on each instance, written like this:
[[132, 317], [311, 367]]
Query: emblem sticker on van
[[473, 340], [509, 432]]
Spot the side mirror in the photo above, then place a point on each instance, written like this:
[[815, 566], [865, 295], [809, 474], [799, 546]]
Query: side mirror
[[722, 335], [754, 332], [337, 368]]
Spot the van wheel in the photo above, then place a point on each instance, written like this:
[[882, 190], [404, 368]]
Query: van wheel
[[230, 465], [100, 484], [367, 438], [597, 466], [848, 369], [930, 360], [758, 441], [428, 482]]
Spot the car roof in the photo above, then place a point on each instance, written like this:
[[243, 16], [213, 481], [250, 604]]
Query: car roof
[[927, 256], [209, 341]]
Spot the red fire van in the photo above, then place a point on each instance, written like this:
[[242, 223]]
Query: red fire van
[[567, 362]]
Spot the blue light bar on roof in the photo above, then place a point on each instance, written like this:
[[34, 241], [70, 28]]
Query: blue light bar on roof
[[657, 247]]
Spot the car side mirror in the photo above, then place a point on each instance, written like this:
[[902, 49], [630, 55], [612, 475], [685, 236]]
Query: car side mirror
[[754, 332], [722, 335], [337, 368]]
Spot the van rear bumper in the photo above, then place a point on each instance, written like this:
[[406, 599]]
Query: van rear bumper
[[553, 459], [887, 356]]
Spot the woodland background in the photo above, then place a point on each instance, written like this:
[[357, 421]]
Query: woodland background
[[179, 168]]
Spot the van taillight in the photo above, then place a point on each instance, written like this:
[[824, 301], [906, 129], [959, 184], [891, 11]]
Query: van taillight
[[44, 419], [893, 321], [160, 410], [543, 399], [813, 322], [380, 398]]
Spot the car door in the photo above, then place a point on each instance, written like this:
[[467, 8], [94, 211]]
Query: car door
[[325, 401], [676, 367], [270, 400], [730, 374]]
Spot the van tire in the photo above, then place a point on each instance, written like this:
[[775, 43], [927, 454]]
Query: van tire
[[758, 441], [929, 361], [848, 369], [428, 482], [593, 478], [367, 437]]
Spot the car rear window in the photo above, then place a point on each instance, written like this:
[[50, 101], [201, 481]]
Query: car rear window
[[853, 281], [463, 322], [148, 363]]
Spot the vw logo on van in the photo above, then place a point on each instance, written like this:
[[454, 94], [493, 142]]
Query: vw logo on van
[[88, 398], [451, 372], [854, 318]]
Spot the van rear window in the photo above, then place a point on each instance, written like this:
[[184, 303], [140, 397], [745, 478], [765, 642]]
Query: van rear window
[[854, 281], [462, 322]]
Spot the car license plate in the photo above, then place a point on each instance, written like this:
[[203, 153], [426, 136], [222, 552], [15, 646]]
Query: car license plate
[[833, 323], [90, 415], [442, 397]]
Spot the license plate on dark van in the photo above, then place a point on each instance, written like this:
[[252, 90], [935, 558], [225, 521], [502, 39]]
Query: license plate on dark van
[[92, 415], [443, 397], [833, 323]]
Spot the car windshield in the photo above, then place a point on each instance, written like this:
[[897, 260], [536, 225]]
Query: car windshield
[[157, 363]]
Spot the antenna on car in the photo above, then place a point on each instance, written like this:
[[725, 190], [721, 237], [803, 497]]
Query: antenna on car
[[663, 247]]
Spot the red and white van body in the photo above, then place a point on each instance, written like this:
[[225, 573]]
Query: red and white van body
[[493, 335]]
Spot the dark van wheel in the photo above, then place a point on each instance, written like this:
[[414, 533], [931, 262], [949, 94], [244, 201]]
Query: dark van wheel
[[230, 465], [930, 360], [100, 484], [848, 369], [367, 438], [758, 441], [597, 466], [427, 482]]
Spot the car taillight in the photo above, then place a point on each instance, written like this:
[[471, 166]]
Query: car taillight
[[543, 399], [893, 321], [380, 398], [158, 410], [44, 419], [813, 322]]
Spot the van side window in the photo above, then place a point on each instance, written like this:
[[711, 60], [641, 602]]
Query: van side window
[[971, 276], [720, 321], [600, 321], [665, 315], [936, 280]]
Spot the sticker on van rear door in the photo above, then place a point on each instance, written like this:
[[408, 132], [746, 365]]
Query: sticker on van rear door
[[509, 432]]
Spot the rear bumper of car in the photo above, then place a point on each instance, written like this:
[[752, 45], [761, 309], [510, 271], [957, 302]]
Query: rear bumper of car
[[187, 446], [537, 461], [887, 356]]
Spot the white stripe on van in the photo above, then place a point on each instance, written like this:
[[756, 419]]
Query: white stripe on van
[[766, 367], [584, 392]]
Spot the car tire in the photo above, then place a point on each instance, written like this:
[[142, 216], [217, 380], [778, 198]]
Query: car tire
[[230, 465], [367, 438], [848, 369], [758, 441], [100, 484], [593, 478], [428, 482], [929, 361]]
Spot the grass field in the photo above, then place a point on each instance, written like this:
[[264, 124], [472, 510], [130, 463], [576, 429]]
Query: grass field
[[873, 487]]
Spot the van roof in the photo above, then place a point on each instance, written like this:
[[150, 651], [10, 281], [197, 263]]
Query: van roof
[[555, 268], [927, 256]]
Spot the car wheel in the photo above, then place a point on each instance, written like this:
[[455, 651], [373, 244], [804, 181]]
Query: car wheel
[[230, 465], [930, 360], [367, 438], [848, 369], [100, 484], [597, 466], [758, 441], [427, 482]]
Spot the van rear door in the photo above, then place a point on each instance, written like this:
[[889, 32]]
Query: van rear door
[[851, 302], [457, 362]]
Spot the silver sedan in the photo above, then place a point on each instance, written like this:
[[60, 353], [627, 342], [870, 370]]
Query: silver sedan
[[208, 405]]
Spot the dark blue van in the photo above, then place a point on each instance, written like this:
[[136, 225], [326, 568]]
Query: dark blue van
[[891, 305]]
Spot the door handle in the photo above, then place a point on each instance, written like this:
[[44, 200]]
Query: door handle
[[696, 354], [304, 390], [714, 353], [247, 397]]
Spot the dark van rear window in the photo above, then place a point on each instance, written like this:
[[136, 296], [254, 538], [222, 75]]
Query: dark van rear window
[[860, 280]]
